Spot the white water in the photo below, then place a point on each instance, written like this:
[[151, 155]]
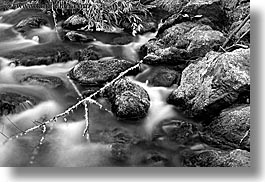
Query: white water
[[64, 145]]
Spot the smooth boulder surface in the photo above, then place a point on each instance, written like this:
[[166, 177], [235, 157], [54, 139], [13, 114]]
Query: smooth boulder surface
[[213, 83], [216, 158], [128, 100], [98, 72], [230, 129]]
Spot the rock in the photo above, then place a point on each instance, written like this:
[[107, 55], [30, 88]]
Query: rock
[[75, 22], [89, 53], [122, 40], [155, 159], [209, 9], [31, 23], [213, 83], [11, 103], [216, 158], [178, 131], [160, 76], [42, 80], [181, 43], [78, 37], [34, 56], [129, 101], [236, 10], [98, 72], [229, 129]]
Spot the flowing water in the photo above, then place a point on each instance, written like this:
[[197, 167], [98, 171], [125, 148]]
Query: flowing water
[[62, 143]]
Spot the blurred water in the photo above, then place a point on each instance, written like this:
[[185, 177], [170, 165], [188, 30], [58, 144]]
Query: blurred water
[[64, 144]]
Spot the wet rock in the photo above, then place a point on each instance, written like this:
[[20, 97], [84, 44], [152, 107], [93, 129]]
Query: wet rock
[[42, 80], [216, 158], [213, 83], [128, 100], [209, 9], [230, 129], [182, 42], [38, 57], [155, 159], [78, 37], [11, 103], [122, 40], [178, 131], [160, 76], [98, 72], [75, 22], [89, 53], [30, 23]]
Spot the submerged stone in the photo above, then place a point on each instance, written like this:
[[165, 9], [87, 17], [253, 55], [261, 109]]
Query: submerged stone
[[42, 80]]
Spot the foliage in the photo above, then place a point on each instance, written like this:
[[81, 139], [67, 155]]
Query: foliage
[[170, 5], [104, 14]]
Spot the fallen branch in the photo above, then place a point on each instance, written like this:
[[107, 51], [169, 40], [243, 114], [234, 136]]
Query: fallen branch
[[71, 109], [234, 32]]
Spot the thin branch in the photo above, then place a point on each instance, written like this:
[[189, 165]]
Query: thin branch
[[242, 36], [244, 137], [13, 124], [71, 109], [37, 148], [235, 31]]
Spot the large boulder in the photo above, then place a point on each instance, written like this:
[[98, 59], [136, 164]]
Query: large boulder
[[182, 42], [98, 72], [216, 158], [129, 101], [230, 129], [213, 83]]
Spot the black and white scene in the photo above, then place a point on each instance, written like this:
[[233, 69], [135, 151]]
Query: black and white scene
[[125, 83]]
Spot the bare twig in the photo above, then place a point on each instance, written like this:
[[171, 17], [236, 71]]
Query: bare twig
[[37, 148], [71, 109], [242, 36], [235, 31], [13, 124], [244, 137]]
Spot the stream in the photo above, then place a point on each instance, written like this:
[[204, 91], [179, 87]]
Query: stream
[[63, 144]]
